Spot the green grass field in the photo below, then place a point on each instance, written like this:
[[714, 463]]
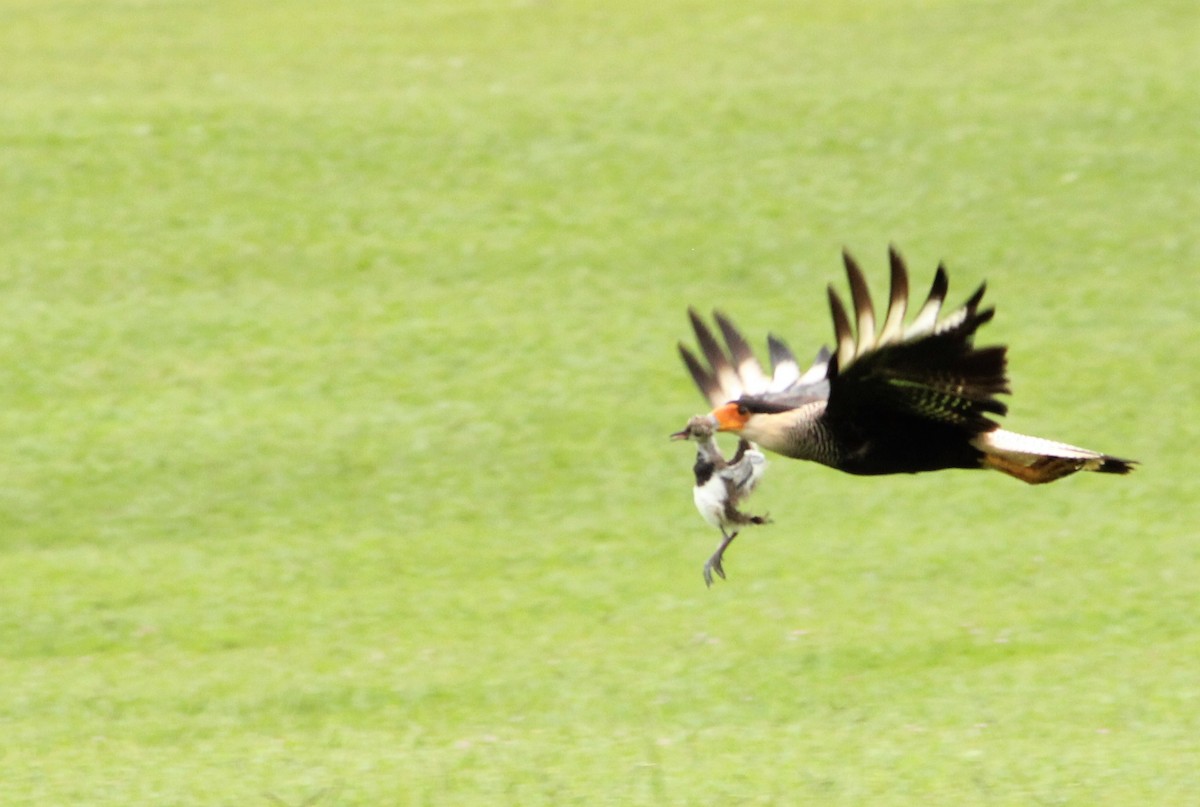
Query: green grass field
[[339, 361]]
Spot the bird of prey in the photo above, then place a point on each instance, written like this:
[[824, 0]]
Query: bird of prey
[[721, 485], [904, 397]]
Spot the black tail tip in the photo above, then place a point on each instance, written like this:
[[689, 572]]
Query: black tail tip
[[1115, 465]]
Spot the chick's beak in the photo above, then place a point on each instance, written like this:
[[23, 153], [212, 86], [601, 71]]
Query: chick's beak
[[697, 426]]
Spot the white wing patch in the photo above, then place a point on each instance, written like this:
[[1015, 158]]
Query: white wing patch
[[731, 370]]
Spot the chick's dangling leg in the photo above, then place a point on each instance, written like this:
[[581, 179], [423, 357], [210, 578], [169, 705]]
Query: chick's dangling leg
[[714, 563]]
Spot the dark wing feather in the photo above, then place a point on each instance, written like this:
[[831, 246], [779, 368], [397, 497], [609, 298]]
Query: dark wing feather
[[935, 373], [713, 352], [893, 324], [731, 371], [860, 295], [749, 371], [784, 367], [842, 334], [928, 370], [738, 347], [927, 316], [709, 387], [719, 381]]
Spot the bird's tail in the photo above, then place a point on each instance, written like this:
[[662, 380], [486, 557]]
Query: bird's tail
[[1036, 460]]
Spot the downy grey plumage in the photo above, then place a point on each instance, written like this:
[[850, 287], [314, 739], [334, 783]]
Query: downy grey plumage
[[721, 485]]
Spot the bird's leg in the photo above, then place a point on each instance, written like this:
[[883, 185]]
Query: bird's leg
[[714, 563]]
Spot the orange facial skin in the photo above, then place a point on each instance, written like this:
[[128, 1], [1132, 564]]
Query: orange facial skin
[[731, 417]]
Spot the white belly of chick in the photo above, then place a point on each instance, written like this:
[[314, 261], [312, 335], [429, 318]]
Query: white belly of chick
[[710, 500]]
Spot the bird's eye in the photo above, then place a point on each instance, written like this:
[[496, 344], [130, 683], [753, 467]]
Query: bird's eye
[[743, 411]]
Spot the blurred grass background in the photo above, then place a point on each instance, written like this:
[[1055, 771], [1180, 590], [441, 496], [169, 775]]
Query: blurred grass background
[[339, 359]]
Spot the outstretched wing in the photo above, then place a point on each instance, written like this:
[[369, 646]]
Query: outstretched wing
[[729, 371], [928, 369]]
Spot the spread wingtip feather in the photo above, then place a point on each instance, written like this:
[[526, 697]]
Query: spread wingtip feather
[[893, 325], [843, 334], [864, 311]]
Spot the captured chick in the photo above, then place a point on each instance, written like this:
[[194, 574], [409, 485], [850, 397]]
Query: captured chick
[[722, 484]]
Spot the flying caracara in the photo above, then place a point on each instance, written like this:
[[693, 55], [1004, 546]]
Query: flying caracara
[[900, 398]]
